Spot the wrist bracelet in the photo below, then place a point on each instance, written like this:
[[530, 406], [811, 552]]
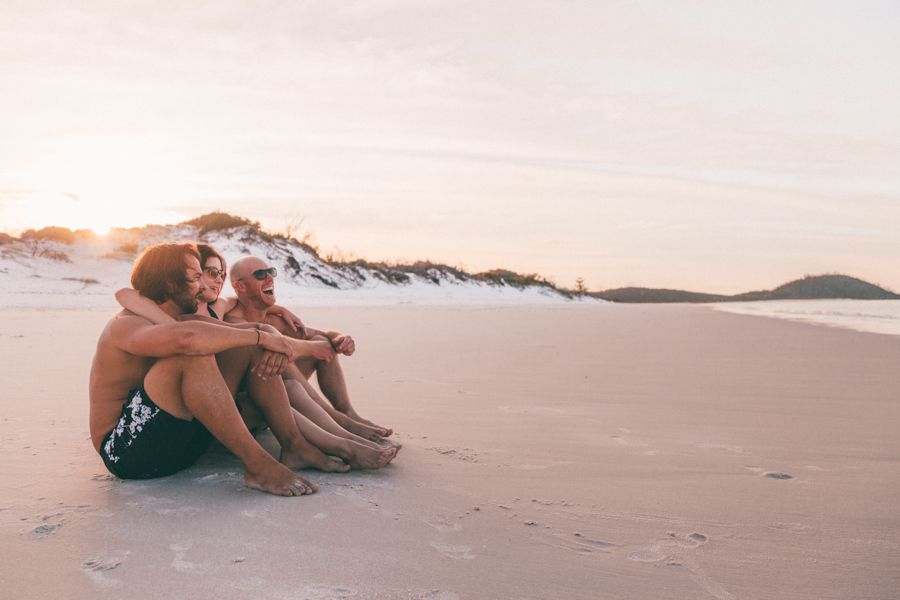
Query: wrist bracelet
[[257, 337]]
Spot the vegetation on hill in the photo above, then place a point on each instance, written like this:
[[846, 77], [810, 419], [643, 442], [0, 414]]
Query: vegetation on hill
[[396, 273], [809, 288], [823, 286], [41, 243], [639, 294], [50, 234], [219, 221]]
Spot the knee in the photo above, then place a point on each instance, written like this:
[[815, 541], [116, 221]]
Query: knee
[[182, 362], [238, 354]]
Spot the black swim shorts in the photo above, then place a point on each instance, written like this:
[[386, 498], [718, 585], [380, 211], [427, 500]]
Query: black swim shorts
[[149, 442]]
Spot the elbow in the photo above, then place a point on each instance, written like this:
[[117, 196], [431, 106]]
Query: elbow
[[186, 342]]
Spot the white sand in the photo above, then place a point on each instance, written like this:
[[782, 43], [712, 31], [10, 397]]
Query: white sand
[[550, 452]]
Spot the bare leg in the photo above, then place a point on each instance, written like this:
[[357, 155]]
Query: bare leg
[[271, 399], [348, 423], [334, 386], [192, 386], [359, 456], [309, 408]]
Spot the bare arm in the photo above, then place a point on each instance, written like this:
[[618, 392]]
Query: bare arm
[[234, 324], [138, 336], [132, 300], [340, 343], [293, 321], [301, 348]]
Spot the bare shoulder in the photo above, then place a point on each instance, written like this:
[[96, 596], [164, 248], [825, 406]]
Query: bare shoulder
[[278, 323], [235, 315], [125, 325], [125, 322]]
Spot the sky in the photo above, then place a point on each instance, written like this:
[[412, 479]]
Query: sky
[[712, 146]]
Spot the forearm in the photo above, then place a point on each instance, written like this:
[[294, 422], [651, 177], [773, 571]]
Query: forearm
[[234, 324], [330, 333], [306, 348], [200, 338]]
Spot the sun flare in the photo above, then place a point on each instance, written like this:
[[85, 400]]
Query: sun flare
[[102, 189]]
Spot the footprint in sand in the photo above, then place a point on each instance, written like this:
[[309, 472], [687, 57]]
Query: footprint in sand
[[97, 568], [668, 548], [621, 440], [228, 476], [726, 447], [47, 529], [178, 563], [443, 524], [466, 454], [795, 527], [674, 551], [582, 544], [181, 511], [325, 592], [769, 474], [458, 552], [440, 595]]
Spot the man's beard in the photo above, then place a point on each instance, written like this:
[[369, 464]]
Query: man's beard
[[186, 302]]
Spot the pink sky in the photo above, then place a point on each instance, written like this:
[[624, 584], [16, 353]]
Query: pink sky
[[700, 145]]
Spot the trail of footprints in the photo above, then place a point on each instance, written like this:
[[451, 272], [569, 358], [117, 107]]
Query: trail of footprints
[[668, 549]]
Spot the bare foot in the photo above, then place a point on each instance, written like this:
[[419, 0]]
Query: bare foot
[[386, 443], [361, 457], [359, 428], [309, 456], [382, 431], [275, 478]]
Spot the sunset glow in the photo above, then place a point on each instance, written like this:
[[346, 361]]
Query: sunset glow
[[101, 188], [695, 145]]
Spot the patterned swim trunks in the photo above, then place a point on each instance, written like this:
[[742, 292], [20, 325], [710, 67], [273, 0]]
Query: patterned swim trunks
[[149, 442]]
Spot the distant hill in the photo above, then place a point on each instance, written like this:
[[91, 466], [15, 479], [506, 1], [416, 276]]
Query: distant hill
[[809, 288], [639, 294]]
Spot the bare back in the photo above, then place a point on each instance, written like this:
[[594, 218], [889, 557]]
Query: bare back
[[114, 372]]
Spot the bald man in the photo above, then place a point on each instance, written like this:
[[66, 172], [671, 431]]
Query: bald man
[[253, 281]]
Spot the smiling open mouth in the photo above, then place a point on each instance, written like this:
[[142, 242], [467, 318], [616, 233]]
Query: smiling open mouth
[[269, 291]]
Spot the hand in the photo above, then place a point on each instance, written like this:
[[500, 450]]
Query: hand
[[270, 364], [277, 343], [292, 320], [344, 344], [320, 350]]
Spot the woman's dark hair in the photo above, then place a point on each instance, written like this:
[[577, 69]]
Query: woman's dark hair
[[206, 251], [160, 272]]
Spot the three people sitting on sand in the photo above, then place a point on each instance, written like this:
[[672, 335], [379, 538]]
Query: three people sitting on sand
[[165, 376]]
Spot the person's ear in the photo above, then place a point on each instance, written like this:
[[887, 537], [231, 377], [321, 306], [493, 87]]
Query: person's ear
[[239, 286]]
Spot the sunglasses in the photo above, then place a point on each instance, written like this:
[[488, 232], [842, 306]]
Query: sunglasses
[[214, 272], [260, 274]]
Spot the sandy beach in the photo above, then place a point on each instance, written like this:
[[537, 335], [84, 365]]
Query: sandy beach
[[599, 451]]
